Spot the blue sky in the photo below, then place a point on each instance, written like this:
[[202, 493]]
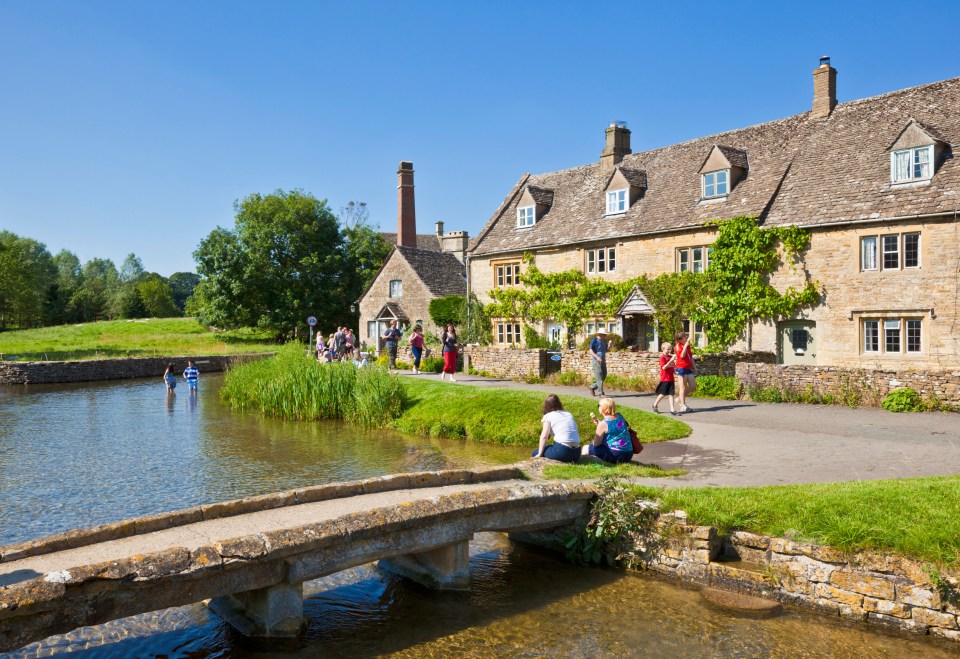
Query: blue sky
[[133, 126]]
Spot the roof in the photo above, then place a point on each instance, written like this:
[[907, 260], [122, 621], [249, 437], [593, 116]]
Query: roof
[[736, 157], [392, 310], [441, 272], [541, 195], [424, 240], [636, 304], [804, 170], [635, 177]]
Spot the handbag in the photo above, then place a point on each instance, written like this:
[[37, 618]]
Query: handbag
[[635, 440]]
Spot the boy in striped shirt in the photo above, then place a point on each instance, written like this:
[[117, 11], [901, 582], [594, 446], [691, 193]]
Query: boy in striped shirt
[[191, 374]]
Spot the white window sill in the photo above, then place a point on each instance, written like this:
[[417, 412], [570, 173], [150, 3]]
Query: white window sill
[[712, 200], [617, 214], [527, 227], [910, 184]]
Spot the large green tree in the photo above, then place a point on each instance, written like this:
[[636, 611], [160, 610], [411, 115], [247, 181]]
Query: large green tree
[[181, 286], [27, 275], [365, 249]]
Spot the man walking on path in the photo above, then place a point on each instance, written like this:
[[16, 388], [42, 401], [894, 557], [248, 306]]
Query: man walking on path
[[598, 354], [192, 375], [392, 337]]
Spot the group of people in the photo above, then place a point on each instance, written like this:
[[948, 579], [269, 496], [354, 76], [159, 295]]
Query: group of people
[[191, 374], [339, 346], [450, 346], [611, 440]]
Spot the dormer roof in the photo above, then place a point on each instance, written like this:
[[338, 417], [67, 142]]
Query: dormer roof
[[540, 196], [637, 178], [916, 134], [724, 157]]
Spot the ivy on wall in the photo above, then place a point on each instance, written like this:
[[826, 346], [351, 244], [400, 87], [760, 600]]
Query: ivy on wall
[[734, 290]]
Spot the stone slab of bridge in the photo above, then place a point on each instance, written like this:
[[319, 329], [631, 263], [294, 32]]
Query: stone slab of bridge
[[250, 557]]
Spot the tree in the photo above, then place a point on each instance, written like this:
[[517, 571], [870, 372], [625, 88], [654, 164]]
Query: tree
[[131, 270], [181, 286], [156, 297], [99, 284], [365, 248], [282, 261], [27, 274]]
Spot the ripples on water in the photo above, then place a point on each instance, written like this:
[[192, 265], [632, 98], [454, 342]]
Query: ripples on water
[[78, 455]]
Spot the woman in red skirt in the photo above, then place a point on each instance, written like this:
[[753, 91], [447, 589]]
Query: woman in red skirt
[[449, 341]]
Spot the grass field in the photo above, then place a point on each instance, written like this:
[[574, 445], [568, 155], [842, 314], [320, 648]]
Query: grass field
[[916, 517], [599, 470], [128, 338]]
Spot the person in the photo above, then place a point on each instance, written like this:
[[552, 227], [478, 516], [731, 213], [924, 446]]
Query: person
[[392, 336], [338, 342], [320, 346], [598, 356], [170, 379], [686, 370], [416, 347], [326, 357], [561, 424], [611, 443], [449, 341], [360, 360], [192, 375], [348, 343], [665, 386]]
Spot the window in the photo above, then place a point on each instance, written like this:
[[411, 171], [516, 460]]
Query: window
[[693, 259], [602, 260], [611, 327], [372, 329], [697, 336], [616, 202], [396, 288], [508, 274], [899, 335], [716, 184], [525, 216], [897, 251], [508, 333], [911, 164]]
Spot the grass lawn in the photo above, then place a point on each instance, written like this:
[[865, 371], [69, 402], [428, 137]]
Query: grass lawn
[[598, 470], [508, 416], [916, 517], [128, 338]]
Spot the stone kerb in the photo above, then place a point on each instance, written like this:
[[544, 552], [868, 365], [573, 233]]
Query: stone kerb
[[90, 370], [944, 385], [151, 523]]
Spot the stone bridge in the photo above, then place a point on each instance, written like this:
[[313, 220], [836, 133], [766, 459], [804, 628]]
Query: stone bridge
[[250, 557]]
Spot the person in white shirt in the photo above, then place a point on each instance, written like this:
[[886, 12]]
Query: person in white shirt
[[561, 425]]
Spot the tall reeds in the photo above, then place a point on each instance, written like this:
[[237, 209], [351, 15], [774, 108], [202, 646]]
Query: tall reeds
[[292, 385]]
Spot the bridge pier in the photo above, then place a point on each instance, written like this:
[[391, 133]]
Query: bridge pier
[[273, 612], [443, 568]]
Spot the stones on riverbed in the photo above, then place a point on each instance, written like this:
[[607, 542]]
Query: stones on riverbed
[[738, 602]]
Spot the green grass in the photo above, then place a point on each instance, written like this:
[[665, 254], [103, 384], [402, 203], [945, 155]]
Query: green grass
[[917, 517], [508, 416], [597, 470], [174, 337]]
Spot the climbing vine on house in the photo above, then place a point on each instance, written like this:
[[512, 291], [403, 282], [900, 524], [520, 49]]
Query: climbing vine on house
[[734, 290]]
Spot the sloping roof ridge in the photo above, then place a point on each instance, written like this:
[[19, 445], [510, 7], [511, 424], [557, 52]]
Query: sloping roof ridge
[[500, 211], [897, 92]]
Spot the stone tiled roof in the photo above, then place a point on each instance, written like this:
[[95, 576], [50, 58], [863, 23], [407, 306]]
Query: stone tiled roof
[[804, 170], [541, 195], [635, 177], [442, 272], [427, 241], [736, 157], [392, 310]]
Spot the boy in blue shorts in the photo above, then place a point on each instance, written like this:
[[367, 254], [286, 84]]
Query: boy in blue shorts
[[192, 375]]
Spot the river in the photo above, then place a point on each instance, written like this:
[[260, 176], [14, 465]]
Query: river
[[84, 454]]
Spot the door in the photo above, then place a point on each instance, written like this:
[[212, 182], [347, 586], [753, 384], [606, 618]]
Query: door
[[554, 332], [798, 342]]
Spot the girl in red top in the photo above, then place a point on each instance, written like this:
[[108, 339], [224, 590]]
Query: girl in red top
[[665, 386], [686, 369]]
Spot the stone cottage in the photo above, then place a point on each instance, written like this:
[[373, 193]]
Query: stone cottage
[[420, 268], [874, 180]]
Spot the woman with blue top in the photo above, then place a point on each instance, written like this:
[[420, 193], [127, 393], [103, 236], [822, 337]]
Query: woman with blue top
[[561, 424], [612, 441], [170, 378]]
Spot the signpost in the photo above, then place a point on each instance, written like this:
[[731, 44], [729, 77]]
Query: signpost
[[311, 321]]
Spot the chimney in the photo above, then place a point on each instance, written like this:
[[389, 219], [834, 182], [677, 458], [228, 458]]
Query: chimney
[[439, 229], [618, 145], [406, 211], [824, 89]]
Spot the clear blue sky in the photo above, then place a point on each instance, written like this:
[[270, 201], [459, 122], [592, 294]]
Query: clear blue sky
[[133, 126]]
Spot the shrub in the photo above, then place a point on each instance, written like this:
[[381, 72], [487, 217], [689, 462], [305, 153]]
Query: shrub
[[431, 364], [615, 342], [903, 400], [724, 387], [532, 339], [447, 309], [566, 379], [642, 382]]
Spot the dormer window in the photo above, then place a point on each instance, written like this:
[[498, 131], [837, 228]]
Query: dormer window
[[716, 184], [724, 168], [914, 164], [617, 201], [526, 216]]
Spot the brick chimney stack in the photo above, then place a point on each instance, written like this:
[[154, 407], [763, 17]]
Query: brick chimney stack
[[618, 146], [406, 211], [824, 89]]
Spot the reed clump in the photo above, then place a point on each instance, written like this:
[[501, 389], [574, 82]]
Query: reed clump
[[292, 385]]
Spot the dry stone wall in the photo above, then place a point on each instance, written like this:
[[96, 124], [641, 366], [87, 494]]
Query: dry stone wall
[[509, 362], [944, 385], [630, 364], [112, 369]]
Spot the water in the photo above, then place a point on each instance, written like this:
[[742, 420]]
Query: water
[[78, 455]]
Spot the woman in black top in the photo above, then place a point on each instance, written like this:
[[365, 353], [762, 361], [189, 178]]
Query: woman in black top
[[449, 341]]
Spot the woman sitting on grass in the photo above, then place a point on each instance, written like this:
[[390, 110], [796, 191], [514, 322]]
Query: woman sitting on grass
[[612, 441], [561, 424]]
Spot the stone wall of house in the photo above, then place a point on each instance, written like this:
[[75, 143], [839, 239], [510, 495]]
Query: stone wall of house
[[631, 364], [943, 385], [415, 300], [112, 369]]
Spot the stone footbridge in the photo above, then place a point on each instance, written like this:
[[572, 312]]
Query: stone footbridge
[[250, 557]]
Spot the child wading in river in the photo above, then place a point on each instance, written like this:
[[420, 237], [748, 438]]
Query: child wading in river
[[665, 386]]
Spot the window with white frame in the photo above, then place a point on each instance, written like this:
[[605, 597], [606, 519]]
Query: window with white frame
[[601, 260], [716, 184], [508, 333], [396, 288], [616, 201], [693, 259], [697, 335], [914, 164], [892, 335], [611, 327], [526, 216], [507, 274], [897, 251], [372, 329]]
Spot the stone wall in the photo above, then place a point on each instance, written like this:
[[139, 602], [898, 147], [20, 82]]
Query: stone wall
[[112, 369], [629, 364], [509, 362], [944, 385]]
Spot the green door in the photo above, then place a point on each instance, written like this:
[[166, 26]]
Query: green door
[[798, 342]]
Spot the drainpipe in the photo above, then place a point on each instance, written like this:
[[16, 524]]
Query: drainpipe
[[466, 355]]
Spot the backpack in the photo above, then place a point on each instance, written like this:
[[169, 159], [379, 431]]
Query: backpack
[[635, 440]]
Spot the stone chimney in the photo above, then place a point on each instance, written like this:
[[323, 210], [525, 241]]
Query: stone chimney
[[406, 211], [618, 145], [824, 89], [439, 228], [454, 242]]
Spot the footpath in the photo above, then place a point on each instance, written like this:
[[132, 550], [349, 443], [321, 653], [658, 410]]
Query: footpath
[[741, 443]]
